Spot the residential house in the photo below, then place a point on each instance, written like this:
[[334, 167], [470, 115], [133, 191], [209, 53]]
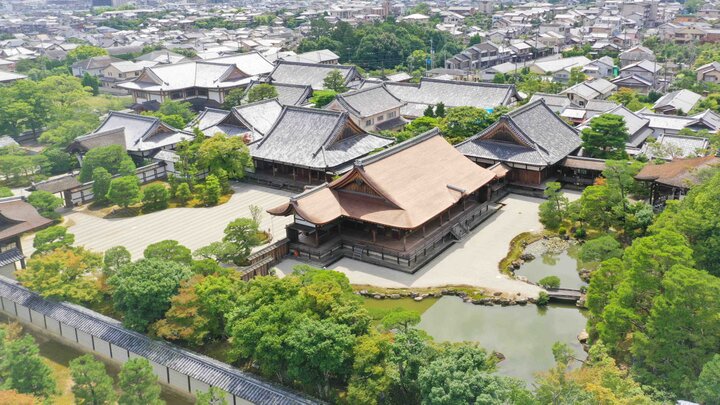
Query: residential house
[[531, 141], [678, 102], [312, 74], [635, 54], [203, 83], [372, 108], [93, 66], [452, 93], [163, 57], [600, 68], [559, 68], [480, 56], [141, 136], [640, 76], [709, 73], [638, 128], [581, 93], [10, 77], [662, 124], [249, 121], [122, 71], [323, 56], [398, 208], [17, 217], [669, 147], [310, 146]]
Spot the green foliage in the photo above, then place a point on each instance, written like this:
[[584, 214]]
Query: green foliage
[[707, 388], [230, 154], [241, 235], [52, 238], [321, 98], [183, 193], [554, 210], [101, 184], [177, 114], [303, 326], [543, 298], [92, 82], [600, 249], [168, 250], [124, 191], [24, 370], [401, 319], [58, 161], [112, 158], [142, 290], [261, 92], [461, 373], [606, 137], [234, 98], [213, 396], [212, 190], [550, 282], [91, 383], [155, 197], [335, 81], [64, 274], [5, 192], [682, 331], [114, 258], [46, 203], [83, 52], [139, 384], [463, 122]]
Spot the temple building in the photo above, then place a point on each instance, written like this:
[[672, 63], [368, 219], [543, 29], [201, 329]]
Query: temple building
[[141, 136], [309, 146], [251, 121], [398, 208], [531, 140], [16, 218]]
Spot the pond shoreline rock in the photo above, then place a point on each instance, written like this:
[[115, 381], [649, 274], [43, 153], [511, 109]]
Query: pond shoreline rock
[[496, 298]]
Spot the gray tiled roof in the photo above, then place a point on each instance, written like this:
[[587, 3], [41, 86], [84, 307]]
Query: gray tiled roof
[[710, 118], [556, 102], [308, 137], [637, 126], [259, 116], [6, 140], [679, 100], [289, 94], [11, 256], [312, 74], [547, 138], [202, 368], [454, 93], [686, 145], [369, 101]]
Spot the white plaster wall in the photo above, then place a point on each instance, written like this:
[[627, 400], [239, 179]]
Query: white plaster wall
[[119, 353], [37, 319], [178, 380], [68, 332], [102, 347], [196, 386], [85, 340]]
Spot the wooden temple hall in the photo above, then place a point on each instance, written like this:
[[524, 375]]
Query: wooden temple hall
[[398, 208]]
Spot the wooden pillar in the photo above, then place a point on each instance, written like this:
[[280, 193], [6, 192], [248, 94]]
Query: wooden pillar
[[317, 238], [294, 173], [373, 231], [423, 230], [309, 176], [404, 240], [441, 219]]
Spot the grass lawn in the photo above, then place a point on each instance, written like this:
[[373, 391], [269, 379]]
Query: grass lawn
[[105, 102], [379, 308]]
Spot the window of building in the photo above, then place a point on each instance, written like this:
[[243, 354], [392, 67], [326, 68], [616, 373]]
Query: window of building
[[190, 92], [379, 118], [391, 115], [175, 95], [202, 92], [368, 123]]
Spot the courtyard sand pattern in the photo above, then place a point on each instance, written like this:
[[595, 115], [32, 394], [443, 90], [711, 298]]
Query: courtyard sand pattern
[[192, 227], [471, 262]]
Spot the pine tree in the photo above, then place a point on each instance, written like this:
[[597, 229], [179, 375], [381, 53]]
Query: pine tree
[[138, 384], [93, 385]]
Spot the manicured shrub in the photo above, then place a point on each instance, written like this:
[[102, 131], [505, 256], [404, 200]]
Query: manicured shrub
[[550, 282]]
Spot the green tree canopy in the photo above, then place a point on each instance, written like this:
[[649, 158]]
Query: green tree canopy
[[227, 153], [606, 137], [124, 191], [138, 383], [46, 203], [263, 91], [142, 290], [91, 383], [335, 81], [114, 258], [168, 250], [155, 197], [24, 370], [101, 184], [113, 158], [64, 274], [52, 238]]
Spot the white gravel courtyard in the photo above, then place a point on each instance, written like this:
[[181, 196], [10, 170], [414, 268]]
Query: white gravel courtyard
[[192, 227], [474, 261]]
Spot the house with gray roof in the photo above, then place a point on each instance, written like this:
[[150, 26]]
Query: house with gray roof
[[452, 93], [92, 66], [640, 76], [310, 146], [581, 93], [288, 94], [311, 74], [17, 217], [371, 108], [635, 54], [250, 121], [672, 124], [203, 83], [677, 102], [141, 136], [531, 140]]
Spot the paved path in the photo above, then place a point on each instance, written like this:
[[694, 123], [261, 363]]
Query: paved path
[[192, 227], [474, 261]]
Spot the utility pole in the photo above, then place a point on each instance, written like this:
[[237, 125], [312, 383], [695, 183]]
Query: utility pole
[[432, 54]]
